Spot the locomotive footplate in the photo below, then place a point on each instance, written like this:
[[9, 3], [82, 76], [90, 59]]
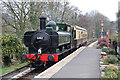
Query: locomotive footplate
[[40, 57]]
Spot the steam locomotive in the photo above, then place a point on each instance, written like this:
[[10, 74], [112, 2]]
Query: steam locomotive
[[45, 44]]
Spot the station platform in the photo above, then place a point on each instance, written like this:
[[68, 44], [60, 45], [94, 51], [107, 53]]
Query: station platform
[[84, 65]]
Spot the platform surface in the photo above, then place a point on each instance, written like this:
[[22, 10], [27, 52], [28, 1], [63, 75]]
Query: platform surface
[[84, 65]]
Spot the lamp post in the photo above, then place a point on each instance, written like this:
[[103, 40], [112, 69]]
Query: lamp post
[[102, 23]]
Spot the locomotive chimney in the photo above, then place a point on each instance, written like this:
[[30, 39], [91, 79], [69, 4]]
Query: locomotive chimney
[[42, 23]]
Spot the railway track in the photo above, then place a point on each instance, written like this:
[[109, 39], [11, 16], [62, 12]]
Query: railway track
[[29, 73]]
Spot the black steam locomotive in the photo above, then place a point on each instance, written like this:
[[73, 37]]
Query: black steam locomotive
[[44, 44]]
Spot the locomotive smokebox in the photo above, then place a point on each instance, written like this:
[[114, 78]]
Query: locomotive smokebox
[[42, 23]]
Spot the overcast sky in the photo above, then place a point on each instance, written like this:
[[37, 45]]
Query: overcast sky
[[109, 8]]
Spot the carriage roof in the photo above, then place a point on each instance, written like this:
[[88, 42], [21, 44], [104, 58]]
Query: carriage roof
[[80, 28]]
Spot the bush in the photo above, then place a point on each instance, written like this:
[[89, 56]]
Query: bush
[[111, 51], [11, 44], [119, 75], [101, 40], [104, 49], [110, 60], [102, 44], [111, 72], [6, 60]]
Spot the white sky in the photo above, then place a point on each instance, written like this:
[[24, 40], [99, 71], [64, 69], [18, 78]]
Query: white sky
[[109, 8]]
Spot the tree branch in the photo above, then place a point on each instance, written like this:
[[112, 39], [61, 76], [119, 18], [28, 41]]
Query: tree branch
[[11, 9]]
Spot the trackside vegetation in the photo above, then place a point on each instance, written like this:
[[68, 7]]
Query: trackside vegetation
[[12, 48]]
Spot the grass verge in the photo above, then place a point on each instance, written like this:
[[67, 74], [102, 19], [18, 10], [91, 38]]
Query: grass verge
[[7, 69]]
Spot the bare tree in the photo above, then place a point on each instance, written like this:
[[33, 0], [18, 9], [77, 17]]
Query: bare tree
[[22, 16], [94, 21], [17, 13]]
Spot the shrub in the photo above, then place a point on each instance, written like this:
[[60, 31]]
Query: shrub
[[103, 44], [11, 44], [111, 51], [111, 72], [101, 40], [111, 68], [105, 50], [6, 60], [110, 60], [119, 75]]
